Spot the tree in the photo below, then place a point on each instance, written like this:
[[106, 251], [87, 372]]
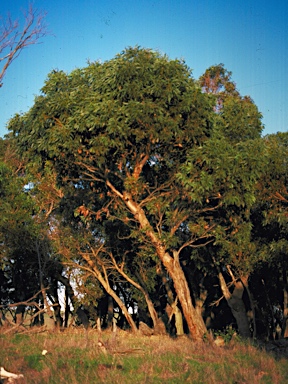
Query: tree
[[216, 80], [237, 116], [87, 254], [27, 259], [135, 140], [139, 271], [13, 40], [17, 231], [225, 172], [116, 133], [269, 220]]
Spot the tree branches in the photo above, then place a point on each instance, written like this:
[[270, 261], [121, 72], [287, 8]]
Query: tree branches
[[13, 39]]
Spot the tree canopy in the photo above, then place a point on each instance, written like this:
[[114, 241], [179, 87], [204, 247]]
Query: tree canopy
[[153, 178]]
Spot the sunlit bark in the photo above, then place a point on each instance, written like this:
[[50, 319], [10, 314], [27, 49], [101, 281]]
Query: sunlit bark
[[194, 321]]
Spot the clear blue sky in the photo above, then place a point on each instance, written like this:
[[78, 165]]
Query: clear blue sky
[[249, 36]]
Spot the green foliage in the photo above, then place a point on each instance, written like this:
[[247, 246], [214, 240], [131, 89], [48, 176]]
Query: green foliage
[[139, 131], [222, 170], [228, 334], [236, 117], [17, 231], [240, 119], [273, 184], [102, 112], [129, 121]]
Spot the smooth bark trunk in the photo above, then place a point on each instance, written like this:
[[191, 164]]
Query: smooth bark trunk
[[236, 304], [172, 307], [105, 283], [54, 299], [194, 321]]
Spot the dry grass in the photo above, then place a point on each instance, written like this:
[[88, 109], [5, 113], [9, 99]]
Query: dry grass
[[75, 357]]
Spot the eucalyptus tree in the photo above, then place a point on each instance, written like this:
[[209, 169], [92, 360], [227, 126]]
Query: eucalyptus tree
[[26, 254], [270, 220], [15, 225], [116, 133], [18, 261], [136, 139], [224, 173], [238, 117]]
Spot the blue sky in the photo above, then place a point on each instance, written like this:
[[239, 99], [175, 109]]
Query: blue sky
[[249, 37]]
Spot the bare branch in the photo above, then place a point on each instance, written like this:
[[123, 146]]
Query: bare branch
[[13, 40], [29, 302]]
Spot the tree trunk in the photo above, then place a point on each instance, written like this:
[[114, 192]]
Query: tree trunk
[[19, 315], [236, 305], [69, 293], [105, 283], [50, 313], [54, 299], [110, 312], [194, 321], [284, 329], [158, 324], [178, 322], [151, 310], [172, 308], [244, 281], [270, 323], [284, 332], [121, 305], [67, 308]]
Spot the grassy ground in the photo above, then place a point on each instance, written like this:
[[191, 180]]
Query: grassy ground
[[75, 357]]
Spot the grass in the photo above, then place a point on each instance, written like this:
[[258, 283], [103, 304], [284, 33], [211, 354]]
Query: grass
[[74, 357]]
